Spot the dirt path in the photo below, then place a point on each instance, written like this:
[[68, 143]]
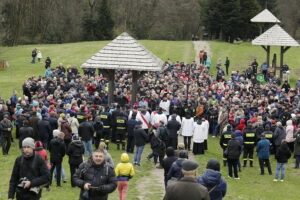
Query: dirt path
[[201, 45], [153, 185]]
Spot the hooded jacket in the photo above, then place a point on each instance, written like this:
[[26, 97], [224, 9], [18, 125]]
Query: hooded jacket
[[75, 152], [283, 153], [175, 170], [263, 149], [279, 135], [241, 126], [211, 178], [57, 150], [124, 170], [289, 131]]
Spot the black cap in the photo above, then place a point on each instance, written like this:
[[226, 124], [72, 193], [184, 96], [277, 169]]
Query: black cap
[[189, 165], [213, 164]]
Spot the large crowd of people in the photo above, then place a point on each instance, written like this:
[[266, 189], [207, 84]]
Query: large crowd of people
[[66, 112]]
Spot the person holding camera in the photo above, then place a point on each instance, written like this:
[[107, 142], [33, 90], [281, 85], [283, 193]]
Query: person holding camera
[[95, 177], [29, 174]]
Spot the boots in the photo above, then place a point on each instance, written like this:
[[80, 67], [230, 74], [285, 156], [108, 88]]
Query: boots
[[251, 163], [245, 163], [224, 163]]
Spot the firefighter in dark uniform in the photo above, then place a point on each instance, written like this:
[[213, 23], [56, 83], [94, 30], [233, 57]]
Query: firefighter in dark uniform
[[225, 137], [115, 111], [269, 136], [81, 116], [106, 121], [250, 140], [121, 129]]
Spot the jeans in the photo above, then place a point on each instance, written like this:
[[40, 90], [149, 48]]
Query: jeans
[[216, 130], [233, 163], [33, 60], [63, 174], [88, 148], [297, 157], [138, 154], [56, 165], [280, 166], [6, 143]]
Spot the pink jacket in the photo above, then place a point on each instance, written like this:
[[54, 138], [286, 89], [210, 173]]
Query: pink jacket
[[289, 131]]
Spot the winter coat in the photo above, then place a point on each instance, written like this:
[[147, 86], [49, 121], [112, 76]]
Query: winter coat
[[57, 150], [124, 170], [283, 153], [168, 161], [4, 126], [241, 126], [75, 152], [33, 122], [211, 178], [186, 188], [175, 170], [187, 127], [289, 131], [140, 137], [173, 127], [263, 149], [74, 124], [279, 135], [233, 149], [34, 168], [130, 127], [44, 130], [297, 144], [86, 131], [158, 146], [199, 132], [102, 176], [66, 129], [25, 132]]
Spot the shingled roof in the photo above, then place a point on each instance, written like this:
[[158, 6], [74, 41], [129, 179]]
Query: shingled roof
[[265, 16], [124, 53], [275, 36]]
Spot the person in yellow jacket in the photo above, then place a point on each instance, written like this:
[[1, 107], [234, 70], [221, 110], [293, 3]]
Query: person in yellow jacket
[[124, 172]]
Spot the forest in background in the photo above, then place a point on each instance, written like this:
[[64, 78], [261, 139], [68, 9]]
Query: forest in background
[[56, 21]]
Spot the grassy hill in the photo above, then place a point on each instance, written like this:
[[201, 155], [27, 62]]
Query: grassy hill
[[241, 55], [252, 186]]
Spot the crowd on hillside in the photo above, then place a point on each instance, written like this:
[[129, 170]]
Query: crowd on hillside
[[66, 112]]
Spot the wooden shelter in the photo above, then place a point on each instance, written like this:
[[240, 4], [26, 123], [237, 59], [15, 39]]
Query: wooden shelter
[[124, 53], [275, 36], [265, 16]]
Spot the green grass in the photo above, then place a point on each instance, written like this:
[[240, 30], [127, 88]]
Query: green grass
[[241, 55], [74, 54], [252, 186]]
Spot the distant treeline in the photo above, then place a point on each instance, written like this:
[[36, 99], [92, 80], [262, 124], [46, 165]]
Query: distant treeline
[[60, 21]]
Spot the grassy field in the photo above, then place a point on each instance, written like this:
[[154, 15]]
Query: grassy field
[[75, 54], [241, 55], [252, 186]]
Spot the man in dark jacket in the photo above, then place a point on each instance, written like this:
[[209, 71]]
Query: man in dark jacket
[[168, 161], [121, 129], [31, 166], [175, 172], [130, 129], [279, 135], [140, 138], [95, 178], [213, 181], [250, 139], [187, 187], [75, 152], [86, 132], [44, 131], [57, 152], [24, 132], [33, 122], [233, 152], [6, 129], [263, 154], [173, 127], [225, 137]]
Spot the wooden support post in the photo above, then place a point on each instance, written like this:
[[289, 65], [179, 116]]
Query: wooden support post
[[282, 51], [135, 77], [268, 56], [110, 75]]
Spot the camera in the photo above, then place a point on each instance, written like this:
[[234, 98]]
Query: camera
[[21, 185]]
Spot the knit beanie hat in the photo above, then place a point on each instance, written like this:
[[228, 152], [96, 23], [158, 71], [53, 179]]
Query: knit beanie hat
[[213, 164], [28, 142]]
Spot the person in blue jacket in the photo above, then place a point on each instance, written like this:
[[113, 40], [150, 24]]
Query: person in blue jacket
[[263, 154], [239, 137], [213, 181]]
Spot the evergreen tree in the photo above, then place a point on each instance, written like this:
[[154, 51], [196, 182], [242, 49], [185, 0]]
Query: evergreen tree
[[271, 5], [105, 23], [249, 8]]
